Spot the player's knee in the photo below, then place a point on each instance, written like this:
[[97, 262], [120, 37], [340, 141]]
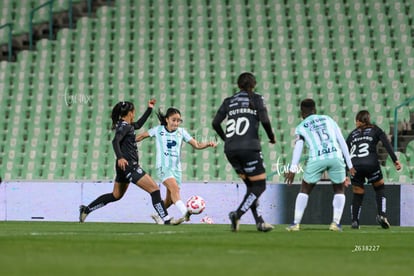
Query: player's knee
[[358, 189], [379, 188], [258, 187], [116, 196]]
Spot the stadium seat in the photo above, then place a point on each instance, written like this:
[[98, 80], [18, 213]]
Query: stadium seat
[[347, 56]]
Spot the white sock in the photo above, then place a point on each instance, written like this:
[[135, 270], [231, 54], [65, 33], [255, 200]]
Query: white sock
[[300, 206], [181, 206], [338, 204]]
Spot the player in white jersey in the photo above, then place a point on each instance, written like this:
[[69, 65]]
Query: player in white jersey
[[326, 152], [169, 138]]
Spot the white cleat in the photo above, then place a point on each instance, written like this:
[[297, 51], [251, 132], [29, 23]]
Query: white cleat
[[157, 219], [293, 227]]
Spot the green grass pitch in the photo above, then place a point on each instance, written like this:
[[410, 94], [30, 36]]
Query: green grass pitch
[[62, 248]]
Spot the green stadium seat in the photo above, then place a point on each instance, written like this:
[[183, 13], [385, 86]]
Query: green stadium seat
[[347, 56]]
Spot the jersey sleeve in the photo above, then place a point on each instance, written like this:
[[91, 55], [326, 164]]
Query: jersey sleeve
[[386, 143], [297, 152], [152, 131], [344, 147], [116, 142], [141, 121], [220, 116], [264, 117], [186, 136]]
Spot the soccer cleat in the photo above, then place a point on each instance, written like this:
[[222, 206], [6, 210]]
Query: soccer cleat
[[177, 221], [187, 216], [355, 224], [293, 227], [82, 213], [383, 221], [264, 227], [157, 219], [335, 227], [234, 221], [171, 221]]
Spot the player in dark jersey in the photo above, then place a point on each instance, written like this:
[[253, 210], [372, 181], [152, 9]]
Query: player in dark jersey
[[362, 143], [127, 164], [244, 112]]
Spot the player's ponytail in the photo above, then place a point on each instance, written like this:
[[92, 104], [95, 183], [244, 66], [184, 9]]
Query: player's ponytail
[[120, 110], [364, 117], [170, 111], [247, 82]]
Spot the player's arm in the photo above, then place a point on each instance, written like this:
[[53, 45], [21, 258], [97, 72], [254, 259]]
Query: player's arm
[[264, 119], [297, 152], [386, 143], [197, 145], [142, 136], [141, 121], [116, 145], [345, 151], [220, 116]]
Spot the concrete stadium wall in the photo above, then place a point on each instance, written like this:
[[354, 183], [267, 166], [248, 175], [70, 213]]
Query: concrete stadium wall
[[46, 201]]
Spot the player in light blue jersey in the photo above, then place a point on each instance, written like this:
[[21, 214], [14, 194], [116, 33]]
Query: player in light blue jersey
[[327, 150], [169, 137]]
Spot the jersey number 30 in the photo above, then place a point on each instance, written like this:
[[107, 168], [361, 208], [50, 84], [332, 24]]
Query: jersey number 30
[[238, 127]]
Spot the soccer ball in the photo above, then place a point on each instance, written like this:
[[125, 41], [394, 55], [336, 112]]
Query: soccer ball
[[196, 205]]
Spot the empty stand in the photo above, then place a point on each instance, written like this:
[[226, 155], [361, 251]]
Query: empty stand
[[56, 100]]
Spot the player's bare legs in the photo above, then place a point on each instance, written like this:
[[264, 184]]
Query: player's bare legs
[[173, 197]]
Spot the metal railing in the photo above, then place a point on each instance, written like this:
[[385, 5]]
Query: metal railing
[[403, 104], [10, 46], [32, 12]]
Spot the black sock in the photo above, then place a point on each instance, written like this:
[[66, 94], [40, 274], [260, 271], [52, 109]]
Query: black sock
[[356, 206], [158, 204], [246, 203], [100, 202], [257, 217], [381, 200], [255, 206], [252, 195]]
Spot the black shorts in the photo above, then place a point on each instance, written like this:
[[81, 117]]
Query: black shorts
[[249, 162], [366, 174], [133, 173]]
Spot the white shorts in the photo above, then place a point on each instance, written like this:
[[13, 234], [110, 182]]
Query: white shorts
[[165, 173]]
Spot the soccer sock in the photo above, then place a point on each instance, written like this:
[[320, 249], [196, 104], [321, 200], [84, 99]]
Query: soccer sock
[[256, 213], [356, 206], [338, 204], [100, 202], [381, 200], [255, 206], [300, 206], [181, 206], [252, 194], [245, 205], [159, 205]]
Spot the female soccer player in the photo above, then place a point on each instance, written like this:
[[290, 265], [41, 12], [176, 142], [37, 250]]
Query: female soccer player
[[362, 143], [127, 165], [169, 137], [244, 111], [326, 152]]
